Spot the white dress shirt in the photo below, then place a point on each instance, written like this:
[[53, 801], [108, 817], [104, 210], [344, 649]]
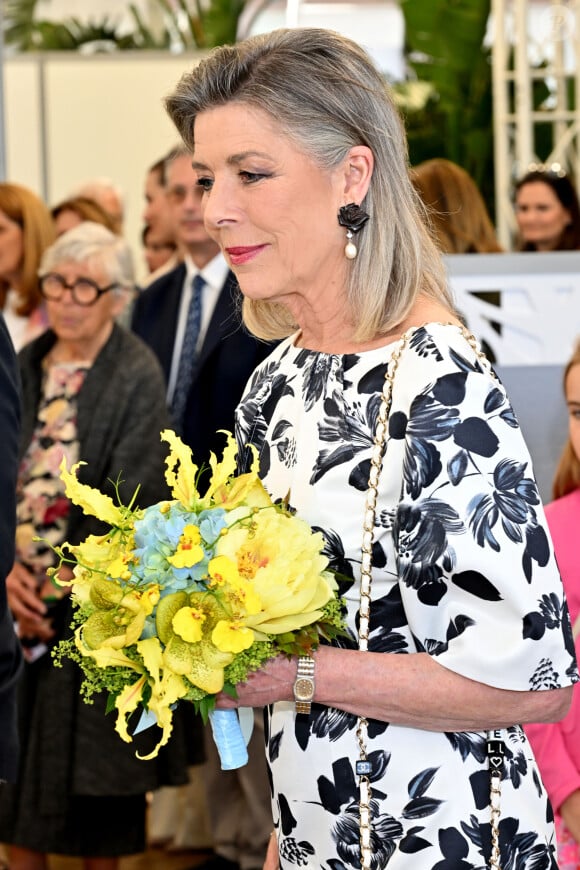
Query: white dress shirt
[[214, 274]]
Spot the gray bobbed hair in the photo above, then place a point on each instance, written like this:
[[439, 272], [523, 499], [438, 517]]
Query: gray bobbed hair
[[326, 96], [98, 247]]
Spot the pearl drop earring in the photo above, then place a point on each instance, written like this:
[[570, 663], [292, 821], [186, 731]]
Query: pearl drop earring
[[353, 217], [350, 249]]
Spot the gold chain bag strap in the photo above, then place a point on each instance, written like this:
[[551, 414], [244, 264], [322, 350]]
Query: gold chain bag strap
[[495, 745]]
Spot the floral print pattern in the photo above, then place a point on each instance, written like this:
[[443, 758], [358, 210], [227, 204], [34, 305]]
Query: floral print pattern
[[463, 570], [42, 507]]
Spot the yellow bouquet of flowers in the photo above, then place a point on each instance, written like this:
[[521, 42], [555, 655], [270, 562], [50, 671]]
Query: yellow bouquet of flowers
[[183, 599]]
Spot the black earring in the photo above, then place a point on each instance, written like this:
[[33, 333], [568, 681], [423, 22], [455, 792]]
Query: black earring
[[353, 217]]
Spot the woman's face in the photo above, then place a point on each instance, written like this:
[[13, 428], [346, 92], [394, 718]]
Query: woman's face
[[270, 207], [11, 249], [157, 251], [83, 327], [540, 215], [573, 403]]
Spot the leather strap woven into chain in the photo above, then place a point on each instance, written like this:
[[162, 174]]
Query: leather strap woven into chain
[[495, 746]]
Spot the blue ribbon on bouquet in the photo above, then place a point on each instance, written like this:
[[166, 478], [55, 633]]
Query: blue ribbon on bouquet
[[231, 731]]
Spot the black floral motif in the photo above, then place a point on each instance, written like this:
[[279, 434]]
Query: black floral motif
[[545, 676], [520, 850], [348, 429], [513, 501], [352, 216], [421, 534], [424, 346], [295, 852], [317, 369], [385, 832]]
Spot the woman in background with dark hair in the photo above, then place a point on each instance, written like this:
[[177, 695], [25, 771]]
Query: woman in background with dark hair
[[547, 211]]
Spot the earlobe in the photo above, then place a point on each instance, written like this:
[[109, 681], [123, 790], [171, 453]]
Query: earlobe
[[359, 164]]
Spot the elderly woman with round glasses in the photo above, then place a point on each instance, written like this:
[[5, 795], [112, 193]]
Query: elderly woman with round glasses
[[94, 392]]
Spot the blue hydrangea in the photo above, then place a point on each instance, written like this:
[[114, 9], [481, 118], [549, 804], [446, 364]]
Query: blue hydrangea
[[157, 536]]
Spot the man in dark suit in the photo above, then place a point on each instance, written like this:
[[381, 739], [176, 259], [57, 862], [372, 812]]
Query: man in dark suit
[[226, 353], [10, 654], [202, 398]]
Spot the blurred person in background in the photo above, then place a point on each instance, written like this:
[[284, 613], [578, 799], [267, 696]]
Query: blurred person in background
[[10, 651], [547, 211], [557, 745], [71, 212], [159, 252], [91, 392], [106, 194], [159, 232], [26, 230], [457, 212], [458, 218]]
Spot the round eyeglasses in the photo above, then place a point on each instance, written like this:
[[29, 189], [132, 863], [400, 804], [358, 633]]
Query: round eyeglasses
[[83, 290]]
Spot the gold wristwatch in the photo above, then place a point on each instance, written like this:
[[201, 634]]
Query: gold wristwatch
[[304, 684]]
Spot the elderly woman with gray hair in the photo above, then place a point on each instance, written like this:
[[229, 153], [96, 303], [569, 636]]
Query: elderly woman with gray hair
[[91, 391]]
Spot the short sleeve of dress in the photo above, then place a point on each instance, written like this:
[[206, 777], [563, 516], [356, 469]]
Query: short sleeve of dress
[[478, 578]]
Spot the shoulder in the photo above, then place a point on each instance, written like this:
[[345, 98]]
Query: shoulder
[[157, 289], [443, 357], [128, 353]]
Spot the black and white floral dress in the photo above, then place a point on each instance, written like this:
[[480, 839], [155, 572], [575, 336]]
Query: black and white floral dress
[[463, 570]]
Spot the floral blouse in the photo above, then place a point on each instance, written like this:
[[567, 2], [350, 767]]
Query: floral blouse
[[42, 507], [463, 570]]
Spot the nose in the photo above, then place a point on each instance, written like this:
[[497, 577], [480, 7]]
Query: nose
[[219, 205]]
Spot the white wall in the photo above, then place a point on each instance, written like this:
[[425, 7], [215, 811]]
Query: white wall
[[69, 118]]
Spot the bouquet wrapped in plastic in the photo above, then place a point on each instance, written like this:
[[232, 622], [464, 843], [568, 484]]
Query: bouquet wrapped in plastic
[[182, 600]]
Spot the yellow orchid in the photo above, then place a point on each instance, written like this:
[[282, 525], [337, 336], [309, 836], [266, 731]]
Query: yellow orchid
[[222, 570], [105, 657], [189, 550], [126, 703], [189, 649], [188, 624], [227, 491], [166, 690], [181, 472], [93, 502], [119, 617], [232, 637]]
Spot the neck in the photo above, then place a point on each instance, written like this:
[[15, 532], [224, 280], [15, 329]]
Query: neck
[[64, 351], [202, 254], [337, 334]]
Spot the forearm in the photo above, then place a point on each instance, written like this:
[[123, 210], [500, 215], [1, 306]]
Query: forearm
[[415, 691], [411, 690]]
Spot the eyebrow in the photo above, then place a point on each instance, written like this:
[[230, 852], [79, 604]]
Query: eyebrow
[[234, 159]]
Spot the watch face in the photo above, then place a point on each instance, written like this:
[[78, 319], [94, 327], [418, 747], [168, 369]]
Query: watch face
[[303, 689]]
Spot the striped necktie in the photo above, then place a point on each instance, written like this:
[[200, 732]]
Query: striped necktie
[[188, 355]]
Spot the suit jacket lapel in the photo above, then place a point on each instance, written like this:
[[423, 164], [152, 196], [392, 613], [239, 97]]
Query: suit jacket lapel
[[167, 327], [225, 319]]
